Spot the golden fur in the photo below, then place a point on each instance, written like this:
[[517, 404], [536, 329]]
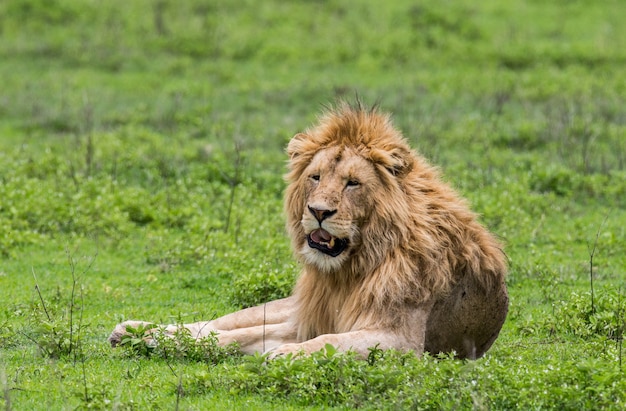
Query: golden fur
[[391, 255]]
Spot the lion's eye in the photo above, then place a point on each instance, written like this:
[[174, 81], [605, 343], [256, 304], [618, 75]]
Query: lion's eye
[[352, 183], [315, 177]]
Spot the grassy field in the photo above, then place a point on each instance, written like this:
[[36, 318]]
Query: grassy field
[[141, 162]]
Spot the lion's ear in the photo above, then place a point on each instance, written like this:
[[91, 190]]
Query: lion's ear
[[397, 160], [297, 145]]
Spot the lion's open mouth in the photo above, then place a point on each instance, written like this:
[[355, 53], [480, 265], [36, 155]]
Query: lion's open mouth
[[323, 241]]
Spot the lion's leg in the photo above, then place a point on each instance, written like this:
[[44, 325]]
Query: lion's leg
[[273, 312], [260, 338], [253, 328], [358, 341], [408, 333]]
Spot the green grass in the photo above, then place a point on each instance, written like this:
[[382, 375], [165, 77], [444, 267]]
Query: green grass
[[141, 162]]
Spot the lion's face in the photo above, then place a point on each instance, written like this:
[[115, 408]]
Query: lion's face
[[345, 193], [337, 189]]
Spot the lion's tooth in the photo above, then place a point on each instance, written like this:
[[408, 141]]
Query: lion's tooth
[[331, 244]]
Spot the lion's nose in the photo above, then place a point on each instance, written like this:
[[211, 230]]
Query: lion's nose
[[321, 214]]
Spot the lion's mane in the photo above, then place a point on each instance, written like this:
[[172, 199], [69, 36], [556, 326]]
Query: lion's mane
[[420, 240]]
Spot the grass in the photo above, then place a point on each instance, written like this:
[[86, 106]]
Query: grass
[[141, 155]]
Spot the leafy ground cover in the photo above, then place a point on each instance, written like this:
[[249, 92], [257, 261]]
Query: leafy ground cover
[[141, 155]]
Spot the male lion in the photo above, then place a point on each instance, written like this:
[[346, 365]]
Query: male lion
[[391, 255]]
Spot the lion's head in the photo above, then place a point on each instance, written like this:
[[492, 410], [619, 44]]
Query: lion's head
[[345, 194]]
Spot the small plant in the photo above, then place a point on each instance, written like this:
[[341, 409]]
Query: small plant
[[233, 181], [96, 398], [324, 377], [59, 333], [576, 317], [147, 340], [375, 355], [54, 339], [592, 252], [183, 346], [58, 328], [138, 340]]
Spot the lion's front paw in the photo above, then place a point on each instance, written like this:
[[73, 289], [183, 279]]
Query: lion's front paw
[[129, 328], [286, 349]]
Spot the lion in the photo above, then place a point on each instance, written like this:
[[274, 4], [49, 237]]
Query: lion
[[391, 256]]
